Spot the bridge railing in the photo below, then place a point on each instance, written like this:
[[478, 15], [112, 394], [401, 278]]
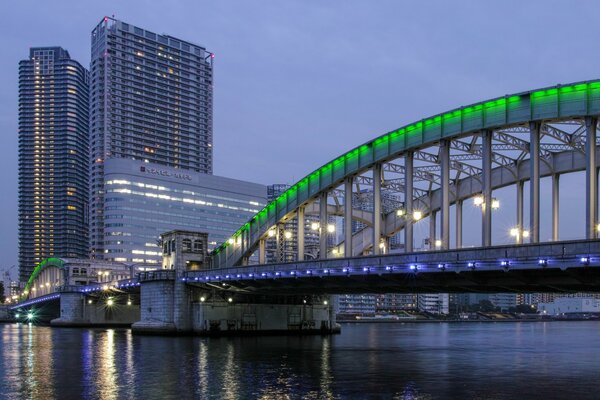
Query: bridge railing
[[585, 252]]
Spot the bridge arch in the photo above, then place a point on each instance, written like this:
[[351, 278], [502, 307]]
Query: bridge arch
[[45, 278], [439, 161]]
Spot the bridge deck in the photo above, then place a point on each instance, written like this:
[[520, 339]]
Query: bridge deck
[[567, 266]]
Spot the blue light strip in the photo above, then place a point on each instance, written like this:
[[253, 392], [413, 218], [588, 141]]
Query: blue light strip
[[296, 272]]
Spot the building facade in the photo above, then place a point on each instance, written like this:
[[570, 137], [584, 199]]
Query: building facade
[[151, 100], [434, 303], [570, 305], [144, 200], [53, 158]]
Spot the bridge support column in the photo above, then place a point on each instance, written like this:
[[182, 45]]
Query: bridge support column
[[445, 191], [432, 229], [459, 223], [280, 255], [534, 186], [323, 226], [348, 217], [520, 227], [262, 251], [591, 179], [72, 313], [486, 207], [300, 239], [408, 201], [377, 178], [165, 305], [555, 205]]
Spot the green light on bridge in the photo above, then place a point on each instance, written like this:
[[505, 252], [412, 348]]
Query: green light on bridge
[[488, 113]]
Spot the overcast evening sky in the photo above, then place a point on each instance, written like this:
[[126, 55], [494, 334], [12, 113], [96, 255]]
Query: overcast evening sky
[[299, 82]]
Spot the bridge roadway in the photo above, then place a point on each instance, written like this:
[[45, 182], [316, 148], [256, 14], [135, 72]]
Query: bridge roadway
[[106, 288], [566, 266]]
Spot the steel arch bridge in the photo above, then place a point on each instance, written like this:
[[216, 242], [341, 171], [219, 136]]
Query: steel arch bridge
[[435, 163]]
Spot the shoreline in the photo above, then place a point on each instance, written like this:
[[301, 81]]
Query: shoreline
[[463, 321]]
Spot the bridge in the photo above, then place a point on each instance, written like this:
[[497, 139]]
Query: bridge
[[421, 171]]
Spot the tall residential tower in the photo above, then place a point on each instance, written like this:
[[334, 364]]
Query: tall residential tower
[[53, 158], [151, 101]]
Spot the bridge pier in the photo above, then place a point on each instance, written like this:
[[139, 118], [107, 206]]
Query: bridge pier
[[170, 306], [79, 310]]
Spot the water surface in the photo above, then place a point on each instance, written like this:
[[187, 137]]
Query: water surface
[[550, 360]]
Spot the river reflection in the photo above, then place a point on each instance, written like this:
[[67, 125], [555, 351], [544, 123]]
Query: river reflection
[[397, 361]]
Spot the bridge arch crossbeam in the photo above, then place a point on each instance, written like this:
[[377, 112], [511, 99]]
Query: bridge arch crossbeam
[[489, 130]]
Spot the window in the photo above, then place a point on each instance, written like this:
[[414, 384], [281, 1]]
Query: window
[[187, 245]]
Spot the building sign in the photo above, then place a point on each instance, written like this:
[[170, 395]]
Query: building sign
[[164, 172]]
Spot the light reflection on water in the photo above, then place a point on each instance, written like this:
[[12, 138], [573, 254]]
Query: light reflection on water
[[397, 361]]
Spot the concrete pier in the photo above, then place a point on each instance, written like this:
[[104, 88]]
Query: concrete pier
[[170, 307], [75, 310]]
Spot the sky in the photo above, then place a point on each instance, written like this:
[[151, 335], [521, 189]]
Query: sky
[[298, 83]]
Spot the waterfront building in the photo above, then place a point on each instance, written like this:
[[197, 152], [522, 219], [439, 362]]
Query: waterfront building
[[53, 158], [568, 305], [396, 302], [144, 200], [436, 303], [357, 304], [151, 100]]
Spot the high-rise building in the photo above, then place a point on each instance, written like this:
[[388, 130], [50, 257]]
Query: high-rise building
[[150, 100], [282, 246], [53, 158], [145, 200]]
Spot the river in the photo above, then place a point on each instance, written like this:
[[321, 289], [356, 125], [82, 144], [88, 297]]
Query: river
[[528, 360]]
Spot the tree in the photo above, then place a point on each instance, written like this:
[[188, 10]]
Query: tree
[[2, 298]]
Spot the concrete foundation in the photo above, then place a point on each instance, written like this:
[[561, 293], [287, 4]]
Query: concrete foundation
[[227, 319], [170, 307], [75, 311]]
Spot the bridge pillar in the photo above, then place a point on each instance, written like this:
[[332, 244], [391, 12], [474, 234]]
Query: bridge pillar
[[262, 251], [71, 310], [165, 304], [534, 186], [280, 244], [445, 191], [459, 223], [300, 232], [348, 218], [520, 227], [432, 228], [377, 178], [486, 207], [408, 201], [555, 205], [323, 226], [591, 178]]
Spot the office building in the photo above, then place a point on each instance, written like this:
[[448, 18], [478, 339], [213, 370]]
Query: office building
[[53, 158], [145, 200], [150, 101]]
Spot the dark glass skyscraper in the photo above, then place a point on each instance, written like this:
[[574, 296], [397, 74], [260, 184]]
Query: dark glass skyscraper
[[53, 158], [151, 100]]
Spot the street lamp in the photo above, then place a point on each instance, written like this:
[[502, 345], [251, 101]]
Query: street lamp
[[417, 215]]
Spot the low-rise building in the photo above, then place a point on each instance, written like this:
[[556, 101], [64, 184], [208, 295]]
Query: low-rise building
[[570, 305]]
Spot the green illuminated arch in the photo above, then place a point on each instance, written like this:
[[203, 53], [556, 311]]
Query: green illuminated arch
[[575, 100], [48, 262]]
